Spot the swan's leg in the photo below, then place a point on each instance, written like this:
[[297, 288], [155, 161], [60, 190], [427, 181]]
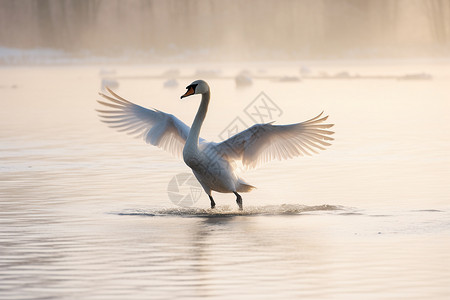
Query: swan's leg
[[238, 200], [213, 204]]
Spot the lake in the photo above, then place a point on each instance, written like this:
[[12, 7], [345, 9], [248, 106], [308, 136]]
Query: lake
[[87, 213]]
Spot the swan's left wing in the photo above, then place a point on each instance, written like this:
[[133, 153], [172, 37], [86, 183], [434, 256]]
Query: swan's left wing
[[264, 142], [155, 127]]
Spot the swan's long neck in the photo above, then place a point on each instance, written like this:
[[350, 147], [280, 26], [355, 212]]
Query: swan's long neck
[[194, 133]]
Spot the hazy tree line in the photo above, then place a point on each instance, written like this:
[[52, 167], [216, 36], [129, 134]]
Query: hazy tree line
[[233, 28]]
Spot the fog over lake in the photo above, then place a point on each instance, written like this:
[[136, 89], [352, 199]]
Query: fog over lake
[[88, 212]]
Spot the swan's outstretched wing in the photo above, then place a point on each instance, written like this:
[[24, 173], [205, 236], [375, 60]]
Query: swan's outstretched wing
[[155, 127], [264, 142]]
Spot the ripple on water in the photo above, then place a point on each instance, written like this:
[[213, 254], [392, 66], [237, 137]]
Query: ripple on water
[[223, 211]]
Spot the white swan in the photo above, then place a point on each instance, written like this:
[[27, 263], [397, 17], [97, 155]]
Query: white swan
[[213, 163]]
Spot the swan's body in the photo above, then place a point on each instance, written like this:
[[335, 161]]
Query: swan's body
[[213, 163]]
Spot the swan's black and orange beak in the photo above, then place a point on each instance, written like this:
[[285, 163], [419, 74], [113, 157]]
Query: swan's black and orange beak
[[190, 91]]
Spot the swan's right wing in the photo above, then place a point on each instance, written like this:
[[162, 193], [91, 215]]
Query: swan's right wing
[[264, 142], [155, 127]]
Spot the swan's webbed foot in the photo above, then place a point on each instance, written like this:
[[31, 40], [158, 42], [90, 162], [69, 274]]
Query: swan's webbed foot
[[238, 200], [213, 204]]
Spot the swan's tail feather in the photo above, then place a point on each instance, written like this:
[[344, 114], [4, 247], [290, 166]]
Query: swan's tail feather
[[244, 187]]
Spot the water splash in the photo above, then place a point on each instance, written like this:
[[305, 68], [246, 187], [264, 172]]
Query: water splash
[[224, 211]]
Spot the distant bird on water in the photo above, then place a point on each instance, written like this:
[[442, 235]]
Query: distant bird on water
[[213, 164]]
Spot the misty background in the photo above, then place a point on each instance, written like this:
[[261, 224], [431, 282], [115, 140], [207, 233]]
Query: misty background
[[152, 30], [86, 211]]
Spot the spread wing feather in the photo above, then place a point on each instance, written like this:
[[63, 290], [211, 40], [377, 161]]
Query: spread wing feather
[[156, 127], [265, 142]]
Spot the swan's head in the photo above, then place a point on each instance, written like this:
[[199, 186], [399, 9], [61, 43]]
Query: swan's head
[[197, 87]]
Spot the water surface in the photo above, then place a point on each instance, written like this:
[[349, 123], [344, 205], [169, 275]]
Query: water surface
[[85, 213]]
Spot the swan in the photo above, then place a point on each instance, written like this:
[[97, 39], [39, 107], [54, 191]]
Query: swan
[[213, 164]]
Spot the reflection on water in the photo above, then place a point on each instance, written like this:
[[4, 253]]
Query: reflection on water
[[84, 211]]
